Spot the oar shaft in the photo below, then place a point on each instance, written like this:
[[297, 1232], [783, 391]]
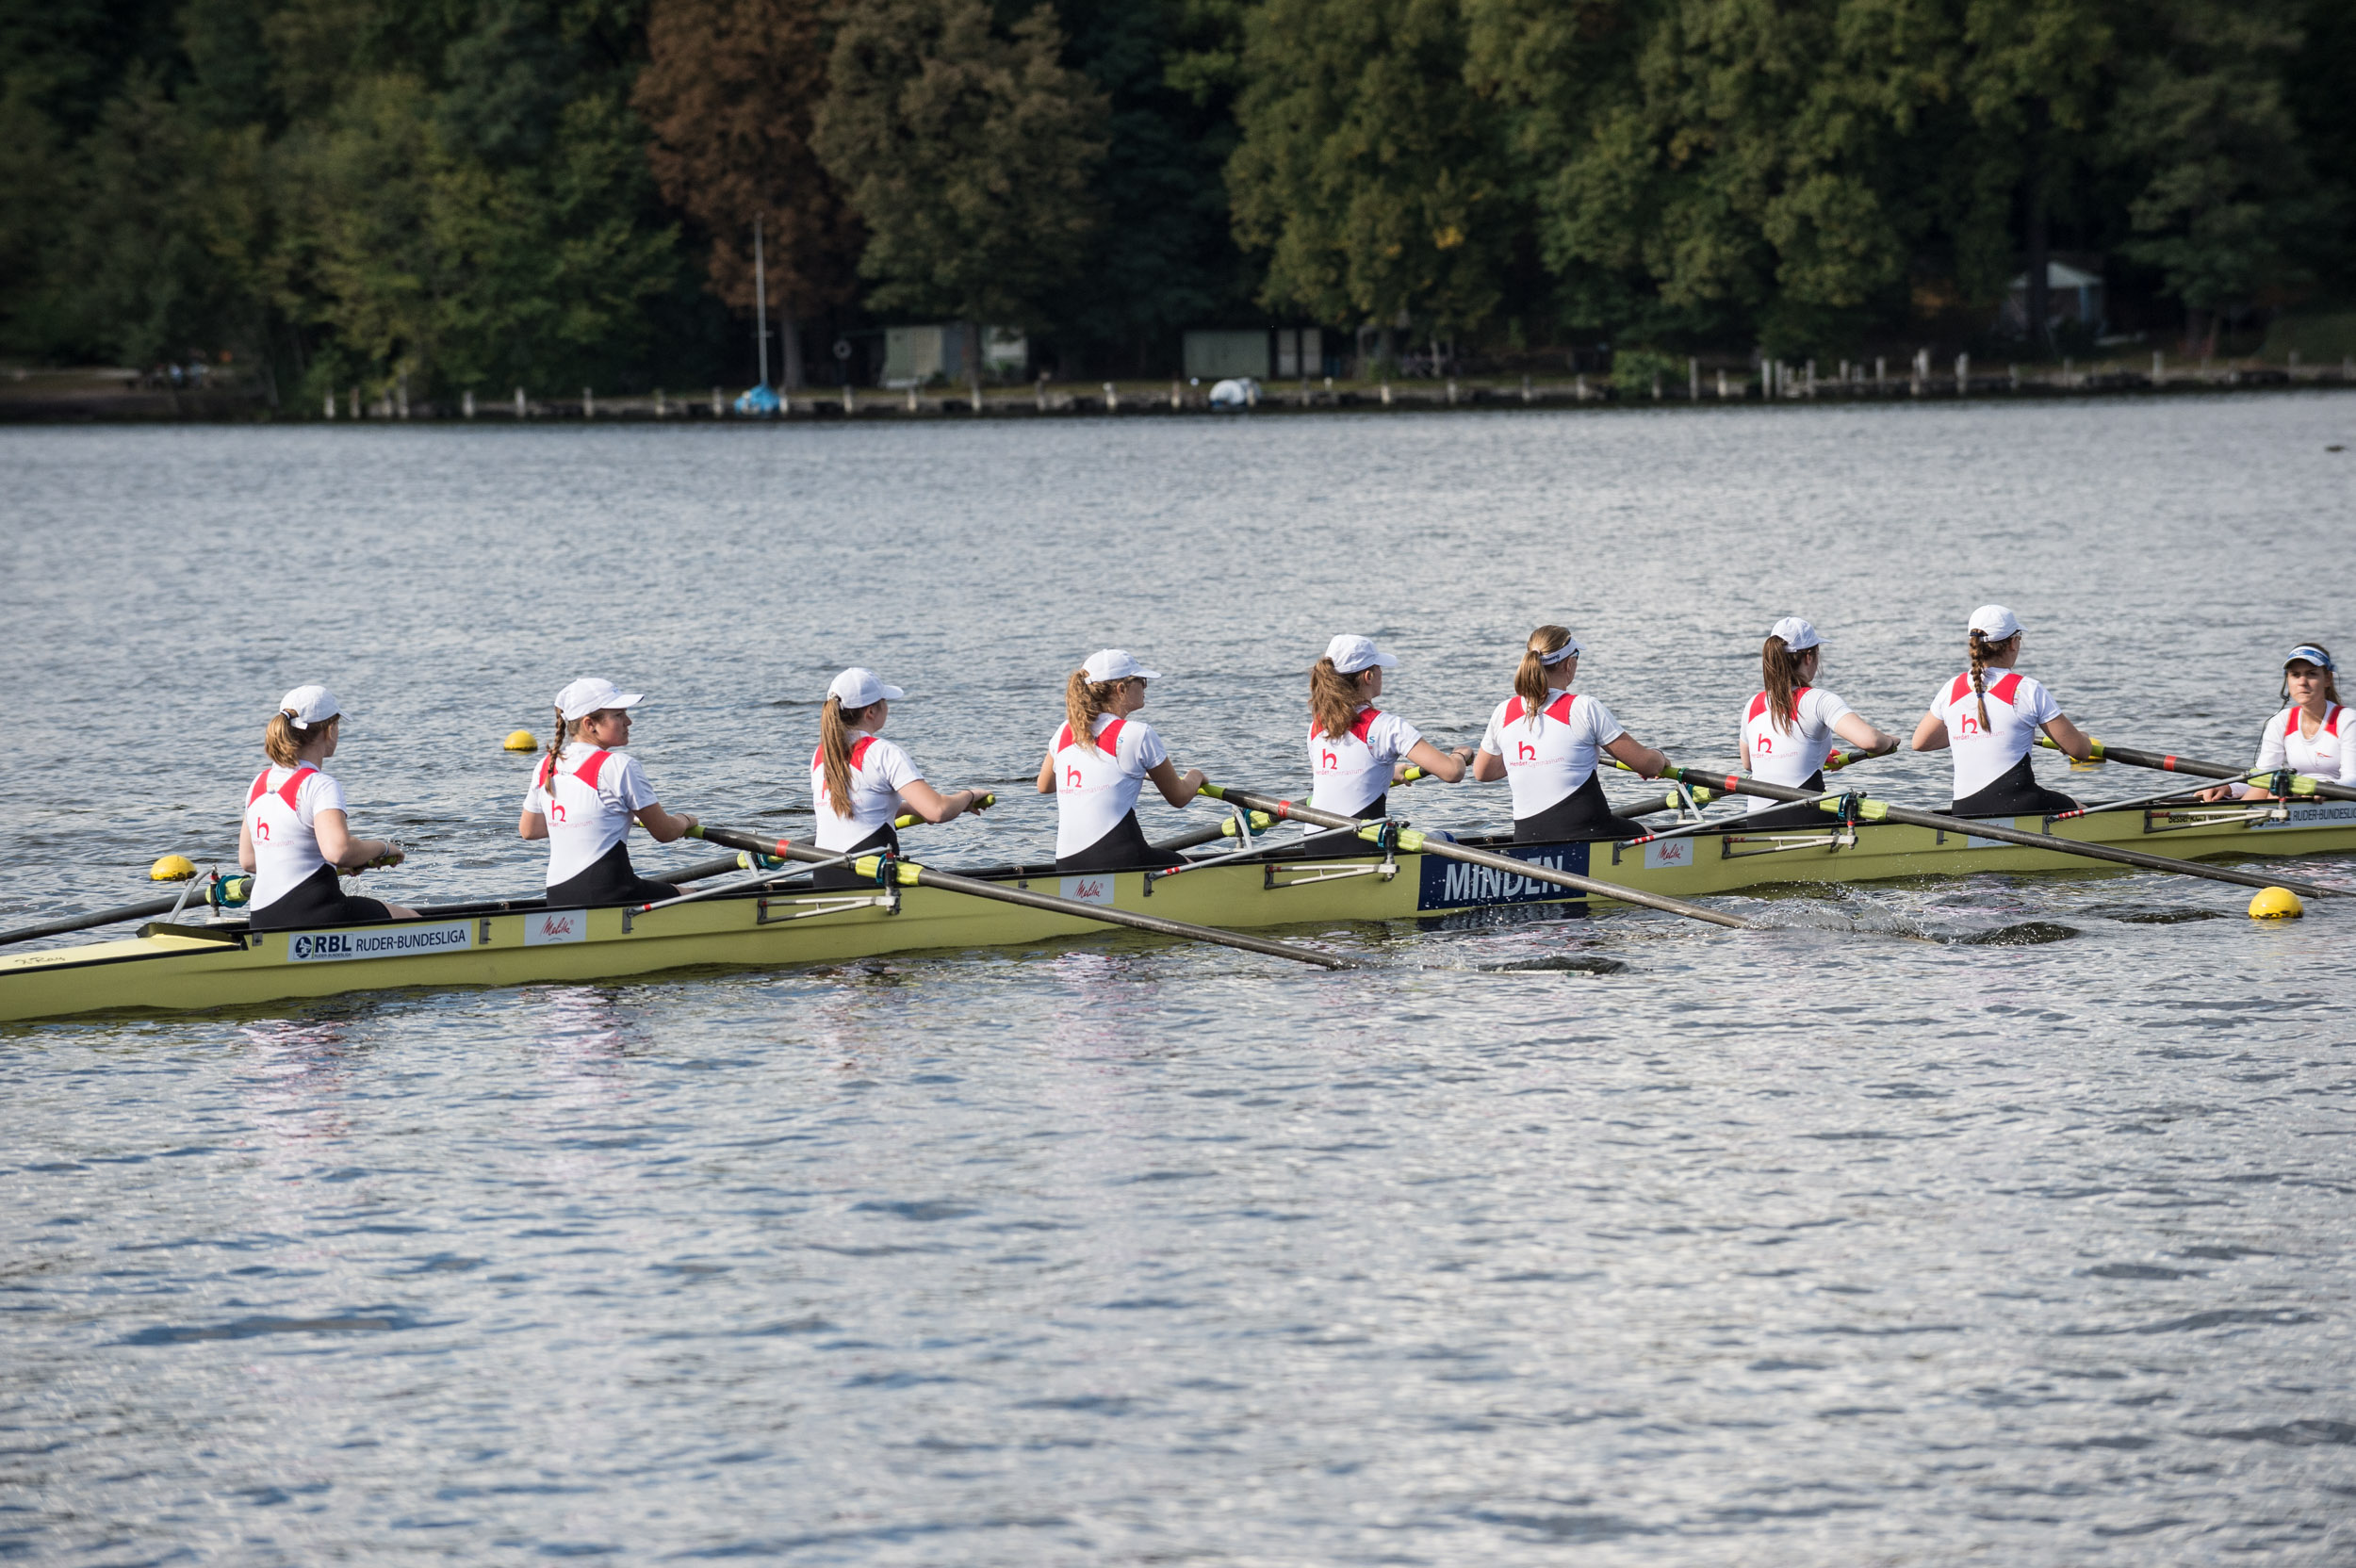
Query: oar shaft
[[925, 877], [84, 923], [1424, 843], [2167, 763], [1980, 827]]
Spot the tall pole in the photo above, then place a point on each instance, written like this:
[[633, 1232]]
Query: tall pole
[[760, 301]]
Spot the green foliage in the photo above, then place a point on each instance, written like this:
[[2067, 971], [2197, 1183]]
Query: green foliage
[[1370, 171], [1634, 372], [967, 153]]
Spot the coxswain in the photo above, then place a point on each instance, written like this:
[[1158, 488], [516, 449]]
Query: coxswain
[[2312, 735], [584, 795], [1992, 721], [1792, 722], [1097, 761], [859, 781], [1547, 738], [1357, 751], [294, 837]]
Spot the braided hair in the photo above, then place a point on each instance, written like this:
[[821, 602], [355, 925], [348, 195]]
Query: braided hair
[[554, 754], [1982, 651], [1083, 700]]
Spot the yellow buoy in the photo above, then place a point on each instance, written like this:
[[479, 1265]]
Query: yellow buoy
[[522, 740], [171, 868], [2276, 903]]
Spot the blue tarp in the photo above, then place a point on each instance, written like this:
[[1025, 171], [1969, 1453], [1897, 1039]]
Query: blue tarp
[[761, 400]]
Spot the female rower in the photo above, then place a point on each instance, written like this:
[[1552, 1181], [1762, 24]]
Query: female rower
[[1357, 751], [1991, 726], [1791, 725], [583, 798], [859, 781], [2313, 735], [294, 838], [1097, 760], [1545, 738]]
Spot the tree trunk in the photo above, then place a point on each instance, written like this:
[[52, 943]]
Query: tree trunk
[[970, 338], [2033, 195], [790, 351]]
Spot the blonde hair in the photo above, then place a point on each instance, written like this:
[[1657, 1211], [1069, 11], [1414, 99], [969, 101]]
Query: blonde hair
[[1333, 699], [284, 742], [1529, 681], [1083, 700], [1982, 651], [1779, 669], [835, 723]]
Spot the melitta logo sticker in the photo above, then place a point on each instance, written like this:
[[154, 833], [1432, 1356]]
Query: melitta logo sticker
[[380, 942], [1667, 853], [556, 925], [1088, 890]]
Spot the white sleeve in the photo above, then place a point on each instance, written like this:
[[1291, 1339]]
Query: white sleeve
[[1826, 708], [630, 787], [1600, 723], [2042, 707], [535, 798], [2270, 753], [1151, 753], [322, 794], [1492, 738], [898, 770], [1398, 738], [2348, 748]]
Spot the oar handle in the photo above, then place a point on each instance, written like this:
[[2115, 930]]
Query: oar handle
[[2170, 763], [910, 819]]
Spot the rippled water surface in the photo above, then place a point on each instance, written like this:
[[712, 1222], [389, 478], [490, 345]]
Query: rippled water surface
[[1804, 1245]]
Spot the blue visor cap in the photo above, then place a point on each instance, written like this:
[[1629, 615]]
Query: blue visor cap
[[2312, 654]]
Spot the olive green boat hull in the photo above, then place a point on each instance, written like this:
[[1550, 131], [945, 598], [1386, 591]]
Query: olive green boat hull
[[182, 967]]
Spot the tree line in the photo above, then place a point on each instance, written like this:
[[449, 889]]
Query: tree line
[[555, 193]]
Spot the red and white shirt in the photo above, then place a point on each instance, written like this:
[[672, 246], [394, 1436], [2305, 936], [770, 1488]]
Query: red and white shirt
[[280, 812], [1094, 790], [2018, 707], [880, 771], [589, 808], [1352, 769], [1549, 752], [2330, 754], [1790, 757]]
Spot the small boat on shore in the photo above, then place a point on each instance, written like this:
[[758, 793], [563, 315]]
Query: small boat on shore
[[784, 920]]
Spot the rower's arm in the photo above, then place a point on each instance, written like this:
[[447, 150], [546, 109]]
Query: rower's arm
[[2068, 737], [531, 825], [663, 827], [1176, 790], [1857, 730], [1487, 767], [1446, 766], [245, 845], [931, 804], [1047, 775], [1931, 734], [1637, 755]]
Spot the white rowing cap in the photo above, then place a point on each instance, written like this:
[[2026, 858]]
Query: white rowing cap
[[1995, 623], [308, 705], [858, 688], [1798, 635], [590, 694], [1351, 654], [1115, 664]]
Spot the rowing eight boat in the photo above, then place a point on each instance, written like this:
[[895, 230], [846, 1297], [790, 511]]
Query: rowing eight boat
[[221, 964]]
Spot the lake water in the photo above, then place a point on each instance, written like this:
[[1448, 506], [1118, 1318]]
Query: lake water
[[1791, 1245]]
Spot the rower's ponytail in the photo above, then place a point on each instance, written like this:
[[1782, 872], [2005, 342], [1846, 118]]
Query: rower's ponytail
[[284, 741], [1083, 700], [1332, 699], [1982, 650], [1530, 680], [555, 753], [834, 748], [1779, 670]]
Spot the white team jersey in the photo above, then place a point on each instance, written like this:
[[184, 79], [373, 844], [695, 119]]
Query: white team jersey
[[1351, 770], [1547, 760], [880, 771], [1790, 757], [2017, 707], [589, 811], [280, 811], [1094, 790], [2330, 755]]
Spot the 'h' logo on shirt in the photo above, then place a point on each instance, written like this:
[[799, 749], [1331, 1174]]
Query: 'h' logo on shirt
[[1072, 779], [1525, 752], [1328, 762]]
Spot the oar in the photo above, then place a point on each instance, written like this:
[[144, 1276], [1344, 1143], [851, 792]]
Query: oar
[[1417, 842], [84, 923], [1880, 811], [2163, 762], [912, 874]]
